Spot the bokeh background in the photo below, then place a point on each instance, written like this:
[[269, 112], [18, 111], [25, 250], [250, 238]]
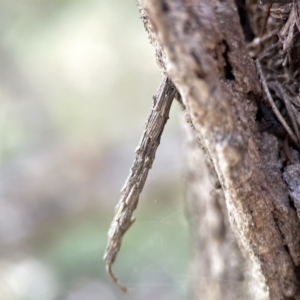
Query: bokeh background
[[76, 85]]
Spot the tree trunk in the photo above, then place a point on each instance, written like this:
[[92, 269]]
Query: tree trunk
[[219, 269], [201, 46]]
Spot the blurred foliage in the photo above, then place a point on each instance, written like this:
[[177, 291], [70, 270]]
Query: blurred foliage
[[76, 83]]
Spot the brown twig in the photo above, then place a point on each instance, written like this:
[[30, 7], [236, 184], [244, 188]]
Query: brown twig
[[297, 17], [263, 28], [289, 108], [273, 105], [145, 155]]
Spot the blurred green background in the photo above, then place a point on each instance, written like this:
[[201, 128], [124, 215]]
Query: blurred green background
[[76, 85]]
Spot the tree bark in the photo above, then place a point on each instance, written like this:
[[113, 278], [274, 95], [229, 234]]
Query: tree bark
[[200, 46], [219, 269]]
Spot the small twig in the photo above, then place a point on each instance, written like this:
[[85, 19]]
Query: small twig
[[262, 39], [263, 28], [145, 154], [286, 34], [273, 105], [297, 17], [267, 52], [296, 101], [289, 108]]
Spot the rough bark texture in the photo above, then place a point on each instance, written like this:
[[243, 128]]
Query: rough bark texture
[[201, 46], [219, 269]]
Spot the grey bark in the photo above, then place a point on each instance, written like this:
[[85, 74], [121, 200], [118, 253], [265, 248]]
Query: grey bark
[[200, 46], [219, 269]]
